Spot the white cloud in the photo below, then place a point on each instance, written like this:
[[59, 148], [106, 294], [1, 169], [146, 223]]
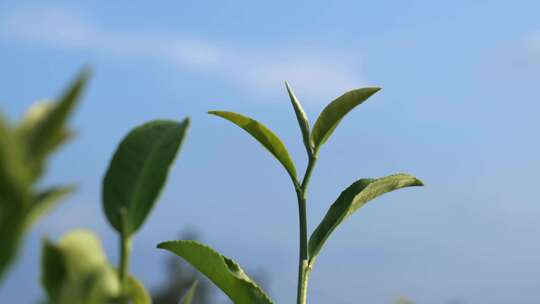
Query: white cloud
[[317, 76]]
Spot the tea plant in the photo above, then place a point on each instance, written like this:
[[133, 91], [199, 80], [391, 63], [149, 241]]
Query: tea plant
[[227, 274], [75, 269], [25, 149]]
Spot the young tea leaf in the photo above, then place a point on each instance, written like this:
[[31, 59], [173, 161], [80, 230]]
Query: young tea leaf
[[224, 272], [76, 270], [264, 136], [35, 117], [302, 119], [352, 198], [138, 171], [23, 152], [333, 113], [46, 121]]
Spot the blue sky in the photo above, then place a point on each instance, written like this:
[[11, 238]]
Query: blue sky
[[459, 109]]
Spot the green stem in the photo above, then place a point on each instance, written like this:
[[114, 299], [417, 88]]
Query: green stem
[[125, 251], [303, 261], [303, 257]]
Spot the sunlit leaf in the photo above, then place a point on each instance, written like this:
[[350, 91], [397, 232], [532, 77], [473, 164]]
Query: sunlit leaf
[[23, 151], [222, 271], [301, 117], [139, 169], [81, 245], [264, 136], [333, 113], [98, 287], [137, 292], [76, 270], [352, 198], [35, 117], [45, 124]]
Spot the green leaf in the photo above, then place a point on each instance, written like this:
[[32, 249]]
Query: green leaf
[[98, 287], [44, 125], [333, 113], [76, 270], [138, 171], [302, 119], [352, 198], [12, 228], [14, 196], [188, 297], [224, 272], [46, 200], [264, 136], [14, 174], [137, 293], [36, 116], [54, 272], [23, 151], [78, 246]]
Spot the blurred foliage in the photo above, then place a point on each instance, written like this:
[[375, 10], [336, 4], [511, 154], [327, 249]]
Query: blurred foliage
[[25, 149], [75, 269]]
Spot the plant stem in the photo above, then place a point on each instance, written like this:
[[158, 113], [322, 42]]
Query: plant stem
[[303, 257], [125, 251], [303, 261]]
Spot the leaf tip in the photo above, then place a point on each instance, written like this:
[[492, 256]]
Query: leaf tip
[[418, 182], [83, 76], [213, 112], [86, 72], [163, 245], [186, 121], [412, 181]]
